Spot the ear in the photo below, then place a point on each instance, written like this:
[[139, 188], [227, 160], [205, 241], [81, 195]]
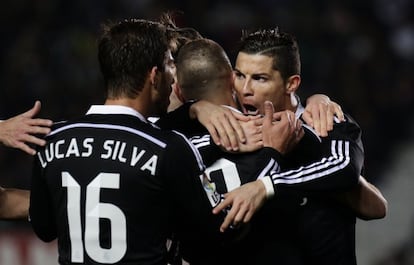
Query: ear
[[292, 84], [153, 76], [178, 92]]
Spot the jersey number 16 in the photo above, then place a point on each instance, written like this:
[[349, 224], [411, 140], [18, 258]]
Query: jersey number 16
[[94, 210]]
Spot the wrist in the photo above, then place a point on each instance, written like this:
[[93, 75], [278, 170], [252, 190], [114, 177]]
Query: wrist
[[268, 185]]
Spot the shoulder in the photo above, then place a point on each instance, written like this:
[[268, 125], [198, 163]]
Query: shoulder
[[348, 129], [170, 119], [349, 125]]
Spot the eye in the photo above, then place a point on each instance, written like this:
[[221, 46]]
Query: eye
[[238, 75], [260, 78]]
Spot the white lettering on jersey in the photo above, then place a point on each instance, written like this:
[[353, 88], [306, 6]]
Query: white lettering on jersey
[[59, 155], [55, 150], [87, 143], [107, 146], [113, 150], [151, 165], [73, 148], [136, 157]]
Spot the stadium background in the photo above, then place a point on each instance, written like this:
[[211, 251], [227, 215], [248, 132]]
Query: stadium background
[[360, 53]]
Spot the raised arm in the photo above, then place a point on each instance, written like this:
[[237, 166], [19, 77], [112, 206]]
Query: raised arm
[[222, 124], [320, 112], [20, 130], [280, 132]]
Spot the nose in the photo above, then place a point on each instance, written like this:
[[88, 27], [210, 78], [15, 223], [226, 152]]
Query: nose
[[247, 88]]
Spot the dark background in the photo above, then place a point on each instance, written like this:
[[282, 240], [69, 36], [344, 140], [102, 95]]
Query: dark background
[[360, 53]]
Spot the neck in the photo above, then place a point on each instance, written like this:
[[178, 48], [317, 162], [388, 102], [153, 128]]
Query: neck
[[226, 99], [222, 96], [291, 108], [288, 104], [135, 103]]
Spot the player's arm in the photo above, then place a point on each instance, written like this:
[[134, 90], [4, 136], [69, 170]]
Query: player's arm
[[366, 200], [337, 164], [41, 213], [14, 203], [192, 198], [222, 123], [212, 152], [280, 132], [320, 112], [180, 120], [20, 130]]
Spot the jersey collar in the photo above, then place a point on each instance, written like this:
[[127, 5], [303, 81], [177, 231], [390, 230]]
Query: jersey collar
[[115, 109]]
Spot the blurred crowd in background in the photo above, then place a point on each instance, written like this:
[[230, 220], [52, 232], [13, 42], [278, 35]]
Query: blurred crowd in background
[[360, 53]]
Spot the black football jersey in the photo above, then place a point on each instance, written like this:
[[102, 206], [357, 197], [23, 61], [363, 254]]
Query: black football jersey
[[315, 228], [303, 181], [109, 185], [226, 170]]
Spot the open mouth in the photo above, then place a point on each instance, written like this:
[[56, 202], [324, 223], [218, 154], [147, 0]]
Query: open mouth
[[250, 109]]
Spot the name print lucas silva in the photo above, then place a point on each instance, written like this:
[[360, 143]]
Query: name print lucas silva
[[107, 150]]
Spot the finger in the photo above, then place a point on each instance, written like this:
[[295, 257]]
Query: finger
[[316, 120], [258, 121], [289, 118], [239, 215], [299, 131], [307, 117], [229, 218], [248, 216], [213, 133], [255, 117], [226, 134], [38, 130], [278, 116], [242, 117], [338, 112], [291, 121], [226, 223], [329, 120], [322, 116], [227, 202], [33, 140], [33, 111], [234, 122], [25, 148], [40, 122], [268, 110]]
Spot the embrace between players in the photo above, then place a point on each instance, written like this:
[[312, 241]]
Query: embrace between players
[[261, 188]]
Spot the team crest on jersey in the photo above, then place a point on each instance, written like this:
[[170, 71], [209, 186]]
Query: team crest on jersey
[[210, 189]]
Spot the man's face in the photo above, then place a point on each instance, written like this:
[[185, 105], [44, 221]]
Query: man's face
[[164, 85], [175, 102], [256, 81]]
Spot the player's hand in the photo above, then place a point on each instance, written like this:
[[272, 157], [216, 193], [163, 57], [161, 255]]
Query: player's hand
[[253, 132], [280, 130], [222, 124], [319, 113], [19, 130], [244, 202]]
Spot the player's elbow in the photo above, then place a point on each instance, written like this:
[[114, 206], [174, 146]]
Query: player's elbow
[[377, 211], [43, 230], [382, 209], [45, 236]]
